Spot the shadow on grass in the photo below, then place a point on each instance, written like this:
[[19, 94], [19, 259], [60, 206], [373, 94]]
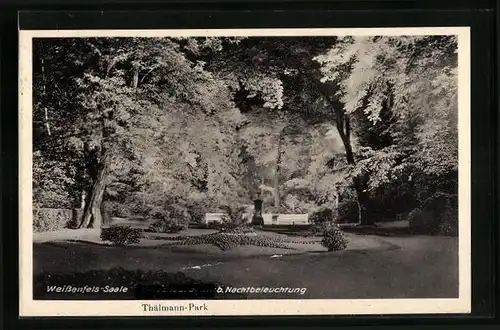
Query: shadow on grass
[[120, 284], [290, 230], [379, 231]]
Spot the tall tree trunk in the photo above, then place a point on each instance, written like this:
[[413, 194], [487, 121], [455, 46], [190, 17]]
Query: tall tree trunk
[[106, 219], [92, 216], [276, 182], [363, 202], [343, 124], [344, 129], [336, 207], [83, 198], [135, 77]]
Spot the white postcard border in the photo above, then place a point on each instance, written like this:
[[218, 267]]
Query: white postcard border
[[30, 307]]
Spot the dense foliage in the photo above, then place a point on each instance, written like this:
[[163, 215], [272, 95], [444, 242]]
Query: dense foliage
[[166, 225], [121, 235], [52, 219], [172, 128], [230, 238], [437, 216], [334, 239]]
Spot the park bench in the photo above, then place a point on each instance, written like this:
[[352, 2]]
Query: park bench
[[293, 219], [269, 218], [285, 219], [214, 217]]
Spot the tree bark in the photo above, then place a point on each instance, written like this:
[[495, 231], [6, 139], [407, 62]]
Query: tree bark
[[83, 198], [359, 185], [135, 77], [364, 202], [343, 125], [92, 216], [106, 219]]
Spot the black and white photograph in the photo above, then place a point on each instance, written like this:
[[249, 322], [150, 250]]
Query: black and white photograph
[[245, 172]]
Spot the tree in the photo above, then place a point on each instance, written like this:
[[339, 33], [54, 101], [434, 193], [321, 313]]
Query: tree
[[111, 84], [346, 81], [400, 76], [175, 120]]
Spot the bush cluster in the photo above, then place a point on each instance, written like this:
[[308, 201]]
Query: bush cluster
[[241, 229], [321, 219], [242, 235], [321, 215], [348, 211], [46, 219], [166, 225], [197, 206], [334, 239], [121, 235], [421, 222], [169, 220], [227, 241], [438, 215]]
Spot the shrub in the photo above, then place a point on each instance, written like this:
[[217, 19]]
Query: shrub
[[421, 222], [348, 211], [322, 218], [234, 213], [226, 226], [166, 226], [334, 239], [171, 219], [443, 208], [320, 228], [237, 229], [121, 235], [439, 215], [243, 229], [46, 219], [213, 225], [198, 204], [227, 241], [449, 228], [124, 209], [321, 215], [136, 208]]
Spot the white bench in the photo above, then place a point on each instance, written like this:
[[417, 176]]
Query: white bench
[[279, 219], [285, 219], [293, 219], [268, 218], [214, 217]]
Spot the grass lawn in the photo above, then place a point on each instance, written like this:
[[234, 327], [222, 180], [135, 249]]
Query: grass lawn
[[371, 267]]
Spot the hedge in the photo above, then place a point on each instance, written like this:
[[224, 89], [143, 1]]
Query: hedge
[[50, 219]]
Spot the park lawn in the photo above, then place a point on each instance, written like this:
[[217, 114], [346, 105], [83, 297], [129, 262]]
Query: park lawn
[[422, 267], [168, 242], [371, 267], [82, 250]]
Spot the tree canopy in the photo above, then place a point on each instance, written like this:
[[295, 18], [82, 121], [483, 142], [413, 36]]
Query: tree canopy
[[198, 123]]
